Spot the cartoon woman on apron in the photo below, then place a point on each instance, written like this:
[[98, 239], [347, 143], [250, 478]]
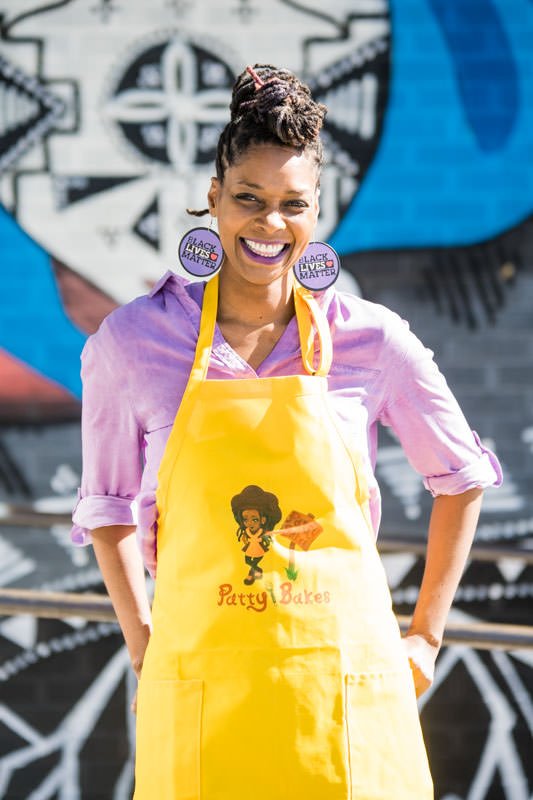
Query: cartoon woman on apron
[[290, 680], [256, 512]]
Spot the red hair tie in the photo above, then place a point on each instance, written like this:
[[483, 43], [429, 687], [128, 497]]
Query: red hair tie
[[257, 80]]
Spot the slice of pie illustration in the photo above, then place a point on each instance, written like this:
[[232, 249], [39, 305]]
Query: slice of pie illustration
[[302, 530]]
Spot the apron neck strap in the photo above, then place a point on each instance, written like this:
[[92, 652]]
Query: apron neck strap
[[309, 316]]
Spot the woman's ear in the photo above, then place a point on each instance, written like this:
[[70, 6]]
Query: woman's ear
[[212, 196]]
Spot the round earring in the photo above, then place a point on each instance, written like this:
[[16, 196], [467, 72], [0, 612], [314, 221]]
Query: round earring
[[200, 252], [318, 268]]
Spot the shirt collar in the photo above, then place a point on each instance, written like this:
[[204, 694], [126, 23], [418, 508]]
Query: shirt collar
[[164, 279], [324, 298]]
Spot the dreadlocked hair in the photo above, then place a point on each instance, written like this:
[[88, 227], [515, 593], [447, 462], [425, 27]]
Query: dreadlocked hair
[[270, 106]]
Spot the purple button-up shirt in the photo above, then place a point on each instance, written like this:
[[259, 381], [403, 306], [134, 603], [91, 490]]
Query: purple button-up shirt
[[135, 369]]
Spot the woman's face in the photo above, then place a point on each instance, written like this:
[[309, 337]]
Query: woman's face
[[266, 209]]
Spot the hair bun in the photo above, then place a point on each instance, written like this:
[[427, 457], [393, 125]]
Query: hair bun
[[270, 106], [278, 101], [269, 95]]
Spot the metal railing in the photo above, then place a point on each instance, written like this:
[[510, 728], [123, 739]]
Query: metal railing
[[98, 607], [59, 605], [479, 552], [27, 517]]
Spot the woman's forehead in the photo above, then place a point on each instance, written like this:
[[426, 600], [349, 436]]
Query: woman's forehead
[[265, 166]]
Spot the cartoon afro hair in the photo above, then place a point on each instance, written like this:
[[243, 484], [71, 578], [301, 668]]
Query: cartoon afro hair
[[255, 497]]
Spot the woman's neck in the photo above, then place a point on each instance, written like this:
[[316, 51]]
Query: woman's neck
[[252, 305], [252, 318]]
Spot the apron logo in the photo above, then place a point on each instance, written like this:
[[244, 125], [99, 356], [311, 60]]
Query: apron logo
[[259, 601], [257, 513]]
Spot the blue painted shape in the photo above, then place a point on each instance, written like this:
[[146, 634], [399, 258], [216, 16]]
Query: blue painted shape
[[33, 325], [485, 67], [431, 183]]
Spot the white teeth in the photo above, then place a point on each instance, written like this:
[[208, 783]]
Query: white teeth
[[268, 250]]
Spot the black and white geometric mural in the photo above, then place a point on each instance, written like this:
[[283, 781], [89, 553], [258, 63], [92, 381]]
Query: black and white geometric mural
[[110, 134]]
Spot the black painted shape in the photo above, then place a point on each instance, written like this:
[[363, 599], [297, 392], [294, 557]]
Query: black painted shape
[[147, 226], [11, 476], [28, 111], [71, 189], [25, 781], [346, 147], [469, 284], [455, 724]]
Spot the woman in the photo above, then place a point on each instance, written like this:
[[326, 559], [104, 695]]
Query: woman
[[298, 685], [256, 513]]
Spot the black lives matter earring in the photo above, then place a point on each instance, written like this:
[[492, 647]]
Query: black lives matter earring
[[318, 268], [200, 252]]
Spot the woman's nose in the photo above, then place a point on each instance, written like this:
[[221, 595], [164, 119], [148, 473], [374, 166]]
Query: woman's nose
[[271, 220]]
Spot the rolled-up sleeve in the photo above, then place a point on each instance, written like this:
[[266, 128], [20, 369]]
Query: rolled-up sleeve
[[111, 440], [424, 414]]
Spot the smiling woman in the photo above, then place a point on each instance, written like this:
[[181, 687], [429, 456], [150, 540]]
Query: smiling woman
[[255, 401]]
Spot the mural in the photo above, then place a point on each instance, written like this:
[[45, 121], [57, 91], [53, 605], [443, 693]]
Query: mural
[[109, 115]]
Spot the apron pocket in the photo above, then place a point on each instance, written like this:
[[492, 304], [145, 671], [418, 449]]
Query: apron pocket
[[167, 761], [385, 744]]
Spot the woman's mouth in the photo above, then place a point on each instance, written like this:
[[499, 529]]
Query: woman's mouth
[[264, 252]]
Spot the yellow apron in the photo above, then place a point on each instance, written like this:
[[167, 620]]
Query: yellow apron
[[275, 669]]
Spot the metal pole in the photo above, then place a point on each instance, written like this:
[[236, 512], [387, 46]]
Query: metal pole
[[479, 552], [57, 605]]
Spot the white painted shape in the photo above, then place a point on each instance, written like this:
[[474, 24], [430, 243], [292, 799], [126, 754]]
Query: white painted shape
[[55, 505], [526, 656], [527, 437], [369, 100], [64, 480], [76, 622], [515, 684], [13, 572], [21, 630], [397, 565], [511, 568]]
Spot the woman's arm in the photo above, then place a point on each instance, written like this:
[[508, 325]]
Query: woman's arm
[[121, 565], [451, 531]]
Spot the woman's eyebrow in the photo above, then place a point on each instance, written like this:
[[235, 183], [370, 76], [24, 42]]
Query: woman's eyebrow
[[251, 185]]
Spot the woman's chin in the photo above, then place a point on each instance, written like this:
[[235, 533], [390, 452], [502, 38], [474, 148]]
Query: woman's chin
[[258, 274]]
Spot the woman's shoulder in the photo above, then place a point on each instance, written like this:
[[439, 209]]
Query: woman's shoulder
[[367, 322], [147, 316]]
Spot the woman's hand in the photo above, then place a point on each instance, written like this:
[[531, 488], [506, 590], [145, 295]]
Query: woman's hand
[[137, 666], [422, 655]]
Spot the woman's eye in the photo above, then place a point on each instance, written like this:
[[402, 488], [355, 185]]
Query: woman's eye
[[297, 204], [246, 196]]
